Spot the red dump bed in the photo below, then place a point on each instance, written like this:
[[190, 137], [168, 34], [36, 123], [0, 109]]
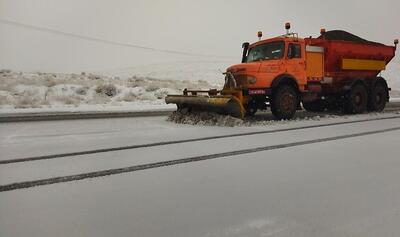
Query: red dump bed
[[347, 56]]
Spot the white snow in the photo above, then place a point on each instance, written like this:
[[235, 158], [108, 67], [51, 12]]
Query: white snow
[[346, 187], [20, 91], [122, 107], [48, 168]]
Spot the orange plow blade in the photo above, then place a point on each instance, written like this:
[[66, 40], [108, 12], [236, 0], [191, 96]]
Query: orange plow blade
[[222, 104]]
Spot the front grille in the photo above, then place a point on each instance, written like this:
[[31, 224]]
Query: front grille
[[241, 80]]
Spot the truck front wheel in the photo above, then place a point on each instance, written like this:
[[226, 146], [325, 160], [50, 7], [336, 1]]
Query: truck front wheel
[[356, 100], [251, 108], [284, 102]]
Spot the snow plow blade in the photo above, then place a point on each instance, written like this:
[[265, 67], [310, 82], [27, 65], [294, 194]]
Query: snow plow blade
[[222, 104]]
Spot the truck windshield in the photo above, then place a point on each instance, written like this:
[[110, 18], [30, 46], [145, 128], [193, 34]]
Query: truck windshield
[[268, 51]]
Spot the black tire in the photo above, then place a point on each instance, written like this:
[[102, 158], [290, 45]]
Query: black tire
[[314, 106], [251, 111], [378, 97], [356, 100], [284, 102], [251, 108]]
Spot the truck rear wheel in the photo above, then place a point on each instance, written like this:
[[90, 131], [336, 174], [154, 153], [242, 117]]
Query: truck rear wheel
[[356, 100], [314, 106], [284, 102], [378, 97]]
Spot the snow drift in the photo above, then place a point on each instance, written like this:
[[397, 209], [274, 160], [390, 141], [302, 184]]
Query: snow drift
[[46, 90]]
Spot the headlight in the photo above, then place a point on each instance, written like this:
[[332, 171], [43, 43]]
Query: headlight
[[251, 79]]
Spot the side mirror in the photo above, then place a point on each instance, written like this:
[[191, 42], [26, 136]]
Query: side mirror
[[245, 47]]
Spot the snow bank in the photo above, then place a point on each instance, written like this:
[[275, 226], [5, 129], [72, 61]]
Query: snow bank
[[53, 90], [213, 119], [205, 118]]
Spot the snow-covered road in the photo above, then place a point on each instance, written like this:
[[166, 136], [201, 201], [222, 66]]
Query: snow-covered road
[[346, 186]]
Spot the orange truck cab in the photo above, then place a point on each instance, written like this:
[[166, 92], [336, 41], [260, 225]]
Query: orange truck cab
[[269, 59], [336, 71]]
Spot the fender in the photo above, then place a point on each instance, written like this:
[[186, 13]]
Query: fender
[[380, 80], [348, 84], [368, 83], [284, 79]]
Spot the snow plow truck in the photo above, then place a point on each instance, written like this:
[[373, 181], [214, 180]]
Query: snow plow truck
[[336, 71]]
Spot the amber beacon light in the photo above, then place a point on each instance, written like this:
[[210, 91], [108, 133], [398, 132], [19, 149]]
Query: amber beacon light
[[287, 27], [259, 35]]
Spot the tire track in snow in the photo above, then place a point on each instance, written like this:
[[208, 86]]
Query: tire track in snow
[[69, 178], [103, 150]]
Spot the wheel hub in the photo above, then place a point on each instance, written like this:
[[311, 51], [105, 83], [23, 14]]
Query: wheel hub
[[357, 99], [288, 102], [378, 98]]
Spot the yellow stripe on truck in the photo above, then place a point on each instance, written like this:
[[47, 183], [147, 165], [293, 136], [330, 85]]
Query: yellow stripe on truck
[[362, 64]]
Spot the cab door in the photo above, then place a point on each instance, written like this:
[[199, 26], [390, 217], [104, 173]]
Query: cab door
[[295, 62]]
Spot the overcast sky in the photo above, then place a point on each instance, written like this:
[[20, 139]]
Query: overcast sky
[[213, 27]]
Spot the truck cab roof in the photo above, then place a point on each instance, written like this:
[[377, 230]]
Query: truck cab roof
[[285, 38]]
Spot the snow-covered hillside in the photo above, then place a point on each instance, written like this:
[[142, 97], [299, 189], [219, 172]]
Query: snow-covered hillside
[[51, 90], [209, 71]]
